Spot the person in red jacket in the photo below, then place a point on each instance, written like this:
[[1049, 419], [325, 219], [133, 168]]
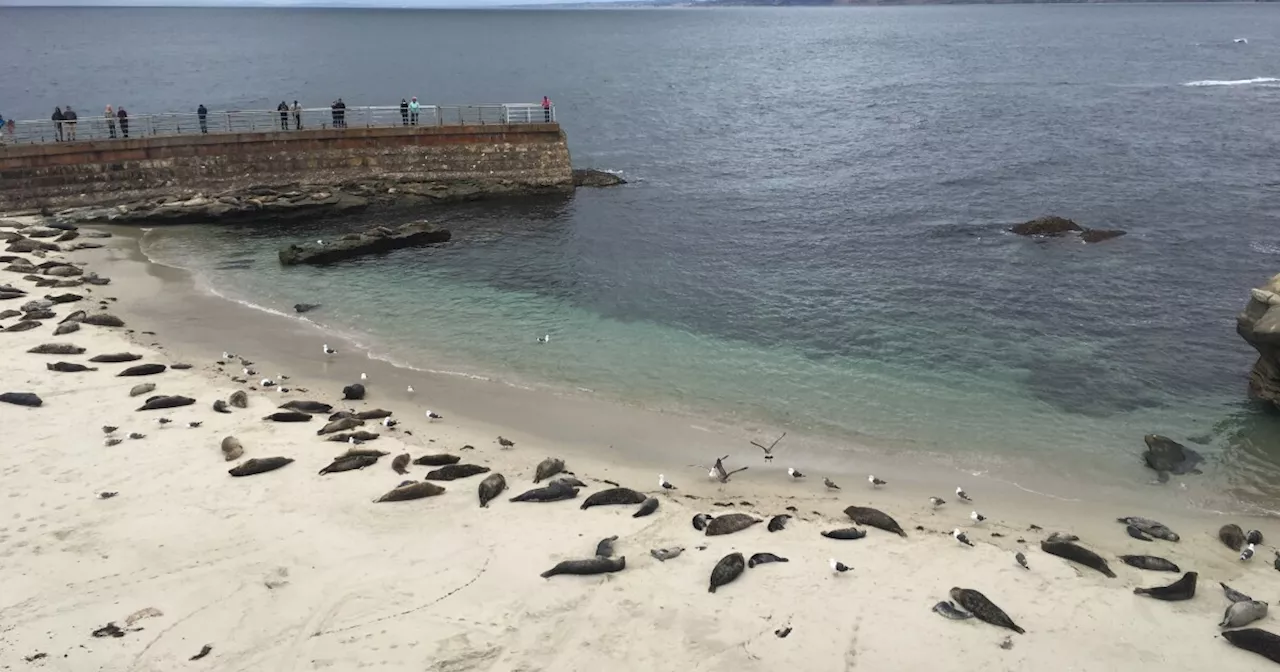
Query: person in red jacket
[[546, 109]]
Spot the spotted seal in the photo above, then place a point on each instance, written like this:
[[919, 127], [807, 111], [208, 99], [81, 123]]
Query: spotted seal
[[259, 465], [613, 496], [232, 449], [1231, 535], [849, 533], [548, 468], [554, 492], [491, 487], [437, 460], [647, 507], [865, 515], [604, 548], [777, 523], [411, 490], [400, 464], [948, 610], [730, 523], [595, 565], [1151, 527], [1149, 562], [983, 609], [1182, 589], [1070, 551], [727, 570], [1240, 614], [349, 463]]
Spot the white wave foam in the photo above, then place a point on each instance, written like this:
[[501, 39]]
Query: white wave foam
[[1232, 82], [1265, 248]]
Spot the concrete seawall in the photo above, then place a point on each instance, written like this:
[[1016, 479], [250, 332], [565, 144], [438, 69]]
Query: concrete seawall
[[436, 163]]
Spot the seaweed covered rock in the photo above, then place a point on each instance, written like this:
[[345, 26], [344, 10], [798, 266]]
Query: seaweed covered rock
[[373, 241]]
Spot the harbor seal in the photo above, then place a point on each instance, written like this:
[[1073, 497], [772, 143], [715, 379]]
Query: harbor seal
[[730, 523], [68, 367], [288, 416], [647, 507], [411, 490], [1258, 641], [587, 567], [1253, 537], [115, 358], [66, 328], [1234, 595], [613, 496], [865, 515], [1182, 589], [665, 554], [1240, 614], [554, 492], [548, 468], [455, 471], [239, 399], [727, 570], [259, 465], [358, 435], [604, 548], [570, 481], [1231, 535], [142, 370], [166, 401], [341, 425], [948, 610], [220, 406], [375, 414], [763, 558], [777, 523], [349, 463], [353, 392], [231, 449], [316, 407], [400, 464], [437, 460], [845, 533], [491, 487], [21, 399], [700, 522], [1149, 562], [1070, 551], [365, 452], [24, 325], [983, 609], [55, 348], [1136, 533]]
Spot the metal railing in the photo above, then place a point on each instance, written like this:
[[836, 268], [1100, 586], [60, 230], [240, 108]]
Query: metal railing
[[89, 127]]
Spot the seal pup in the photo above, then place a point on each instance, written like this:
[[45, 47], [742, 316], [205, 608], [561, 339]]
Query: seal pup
[[768, 452], [349, 463], [1253, 537], [1240, 614], [1258, 641], [794, 473], [141, 389], [554, 492], [937, 501], [727, 570], [730, 523], [1022, 560], [288, 416], [983, 609], [1182, 589], [665, 554], [664, 483], [400, 464], [777, 523], [491, 487], [830, 484], [1233, 594], [220, 406], [865, 515], [411, 490], [876, 482], [1136, 533], [587, 567], [1232, 536], [231, 449], [647, 507], [962, 494], [1247, 554], [1149, 562], [548, 468], [700, 523], [353, 392], [961, 537], [845, 533], [240, 399], [455, 471], [838, 567], [165, 401], [948, 610], [437, 460], [762, 558], [259, 465], [604, 548], [613, 496], [1056, 545]]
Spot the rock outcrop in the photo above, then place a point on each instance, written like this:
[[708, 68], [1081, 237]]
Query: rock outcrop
[[1052, 226], [586, 177], [1259, 325], [375, 240]]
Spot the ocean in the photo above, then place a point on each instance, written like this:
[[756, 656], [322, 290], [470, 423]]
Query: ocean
[[814, 233]]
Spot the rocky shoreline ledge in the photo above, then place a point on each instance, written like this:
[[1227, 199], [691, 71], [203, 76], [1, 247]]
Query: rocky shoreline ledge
[[1259, 326], [372, 241]]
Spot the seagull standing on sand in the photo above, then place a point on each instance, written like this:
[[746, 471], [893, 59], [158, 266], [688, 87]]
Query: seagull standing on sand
[[838, 567], [364, 377], [937, 501], [163, 421], [389, 423], [976, 517], [962, 495], [248, 371], [502, 440], [108, 429], [432, 415], [830, 485], [664, 483], [227, 356], [409, 389], [267, 382], [876, 482], [136, 435], [195, 423], [961, 537], [329, 351], [794, 473], [1247, 554], [112, 441], [354, 441]]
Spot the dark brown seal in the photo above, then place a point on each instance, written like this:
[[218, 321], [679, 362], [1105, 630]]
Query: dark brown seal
[[305, 406], [437, 460], [349, 463], [455, 471], [406, 492], [375, 414], [1232, 536], [288, 416], [143, 370], [984, 609], [341, 425], [115, 357], [554, 492], [865, 515], [730, 523], [647, 507], [1182, 589], [400, 464], [613, 496], [1258, 641], [595, 565], [1149, 562], [259, 465], [174, 401], [845, 533], [548, 468], [491, 487], [68, 367], [1074, 553], [727, 570]]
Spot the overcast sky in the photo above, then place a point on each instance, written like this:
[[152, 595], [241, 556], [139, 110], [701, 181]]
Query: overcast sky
[[289, 3]]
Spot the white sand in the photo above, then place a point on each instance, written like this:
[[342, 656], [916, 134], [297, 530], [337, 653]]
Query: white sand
[[290, 571]]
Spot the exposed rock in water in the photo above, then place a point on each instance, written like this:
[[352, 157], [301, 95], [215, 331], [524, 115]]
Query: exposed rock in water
[[1259, 325], [1046, 226], [1099, 235], [375, 240], [586, 177], [304, 307]]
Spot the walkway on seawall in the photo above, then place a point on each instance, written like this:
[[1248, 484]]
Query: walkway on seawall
[[91, 127]]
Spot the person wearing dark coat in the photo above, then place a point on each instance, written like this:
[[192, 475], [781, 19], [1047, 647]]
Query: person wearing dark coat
[[57, 122], [202, 113], [283, 109], [124, 121]]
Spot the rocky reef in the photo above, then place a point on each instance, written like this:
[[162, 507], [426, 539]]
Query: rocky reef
[[586, 177], [1259, 325], [1052, 226], [375, 240]]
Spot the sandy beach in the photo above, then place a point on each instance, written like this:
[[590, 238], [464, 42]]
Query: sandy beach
[[291, 570]]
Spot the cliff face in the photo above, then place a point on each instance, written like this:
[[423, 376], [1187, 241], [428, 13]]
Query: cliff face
[[1259, 324]]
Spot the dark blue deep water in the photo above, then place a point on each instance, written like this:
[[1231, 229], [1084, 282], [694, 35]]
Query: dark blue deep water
[[814, 232]]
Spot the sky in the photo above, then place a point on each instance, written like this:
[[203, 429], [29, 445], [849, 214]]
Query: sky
[[284, 3]]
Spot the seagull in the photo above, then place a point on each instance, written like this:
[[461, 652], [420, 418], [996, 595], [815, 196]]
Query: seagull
[[354, 441], [937, 501], [794, 473], [502, 441], [838, 567], [108, 429], [282, 390], [164, 421], [1022, 560], [364, 377], [768, 452], [329, 351], [830, 485], [389, 423], [544, 339], [432, 415], [962, 494], [281, 376], [227, 355], [664, 483], [195, 423], [1242, 40], [409, 389], [976, 517], [961, 537], [876, 482], [267, 382], [248, 371], [1247, 554], [245, 362], [111, 441], [135, 435], [320, 242]]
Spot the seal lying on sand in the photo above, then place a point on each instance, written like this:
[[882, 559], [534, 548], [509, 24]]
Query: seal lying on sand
[[438, 460], [984, 609], [948, 610], [68, 367], [259, 465], [1136, 533], [455, 471], [700, 521], [551, 493], [363, 452], [763, 558], [491, 487], [730, 523], [548, 468], [647, 507], [115, 358], [353, 392], [1233, 595], [613, 496], [412, 490], [586, 567], [143, 370], [1166, 456], [231, 449], [604, 548], [1074, 553], [21, 399], [1240, 614], [777, 523], [374, 414], [349, 463], [400, 464], [220, 406], [339, 426], [173, 401], [239, 399], [288, 416], [1261, 642], [727, 570], [1150, 562], [316, 407], [1232, 536], [1182, 589], [865, 515], [845, 533], [56, 349], [665, 554], [141, 389]]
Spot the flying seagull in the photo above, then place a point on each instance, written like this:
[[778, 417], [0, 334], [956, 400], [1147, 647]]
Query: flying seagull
[[768, 452]]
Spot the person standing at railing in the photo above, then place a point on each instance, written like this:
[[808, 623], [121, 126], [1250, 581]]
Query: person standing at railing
[[123, 118], [546, 109], [297, 115], [9, 129], [342, 113], [404, 112], [283, 109], [414, 109], [57, 122], [110, 115], [70, 117], [3, 136], [202, 114]]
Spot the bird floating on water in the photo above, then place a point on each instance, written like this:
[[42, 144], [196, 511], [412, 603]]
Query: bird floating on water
[[876, 482], [937, 501], [838, 567], [962, 494], [961, 537], [664, 483], [830, 484], [544, 339], [976, 517], [329, 351], [794, 473]]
